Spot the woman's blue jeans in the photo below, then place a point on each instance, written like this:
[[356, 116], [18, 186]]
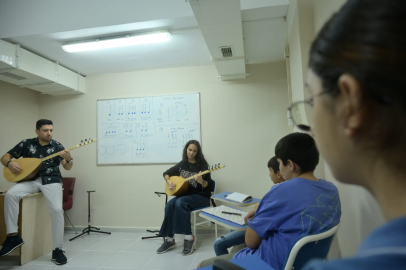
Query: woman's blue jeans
[[233, 238], [177, 214]]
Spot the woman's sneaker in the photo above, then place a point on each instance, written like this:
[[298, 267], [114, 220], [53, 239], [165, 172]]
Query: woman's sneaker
[[166, 246], [188, 246], [58, 256], [11, 243]]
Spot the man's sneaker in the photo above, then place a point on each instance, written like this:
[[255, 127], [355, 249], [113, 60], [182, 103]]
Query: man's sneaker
[[11, 243], [166, 246], [58, 256], [188, 246]]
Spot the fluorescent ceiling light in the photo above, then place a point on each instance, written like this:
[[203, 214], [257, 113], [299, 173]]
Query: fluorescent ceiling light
[[113, 42]]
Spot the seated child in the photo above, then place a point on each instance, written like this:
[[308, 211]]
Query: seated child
[[236, 239], [301, 205]]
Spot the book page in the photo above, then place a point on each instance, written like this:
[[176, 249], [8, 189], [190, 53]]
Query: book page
[[217, 211]]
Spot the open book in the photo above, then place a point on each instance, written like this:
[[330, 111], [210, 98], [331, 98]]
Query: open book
[[239, 197], [227, 213]]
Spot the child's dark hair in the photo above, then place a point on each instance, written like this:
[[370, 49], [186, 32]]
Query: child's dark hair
[[43, 122], [200, 160], [299, 148], [274, 164]]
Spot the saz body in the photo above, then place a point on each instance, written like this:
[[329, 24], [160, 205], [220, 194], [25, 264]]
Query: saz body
[[182, 184], [31, 166]]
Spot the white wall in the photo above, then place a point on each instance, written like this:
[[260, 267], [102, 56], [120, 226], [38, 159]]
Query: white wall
[[19, 110], [360, 211], [299, 40], [241, 123]]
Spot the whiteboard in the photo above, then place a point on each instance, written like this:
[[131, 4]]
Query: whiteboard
[[152, 129]]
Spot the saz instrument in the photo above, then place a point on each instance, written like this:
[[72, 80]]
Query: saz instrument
[[31, 166], [182, 184]]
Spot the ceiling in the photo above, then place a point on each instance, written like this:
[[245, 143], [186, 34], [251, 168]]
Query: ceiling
[[42, 26]]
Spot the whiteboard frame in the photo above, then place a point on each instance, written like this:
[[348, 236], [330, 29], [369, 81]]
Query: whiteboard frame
[[152, 163]]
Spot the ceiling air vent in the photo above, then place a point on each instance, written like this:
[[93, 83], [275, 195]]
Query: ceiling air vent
[[12, 76], [226, 52]]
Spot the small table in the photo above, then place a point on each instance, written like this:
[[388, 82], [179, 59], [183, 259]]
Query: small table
[[252, 262], [221, 197], [223, 222], [34, 226]]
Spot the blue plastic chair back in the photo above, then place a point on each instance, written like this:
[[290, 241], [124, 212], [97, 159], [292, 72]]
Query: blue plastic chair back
[[317, 248], [313, 250]]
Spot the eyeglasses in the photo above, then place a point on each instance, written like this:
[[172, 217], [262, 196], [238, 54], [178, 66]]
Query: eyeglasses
[[301, 113]]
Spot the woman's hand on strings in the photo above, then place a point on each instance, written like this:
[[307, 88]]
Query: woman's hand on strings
[[199, 178], [171, 185]]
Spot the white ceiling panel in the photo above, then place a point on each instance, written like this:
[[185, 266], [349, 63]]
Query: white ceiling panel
[[42, 26]]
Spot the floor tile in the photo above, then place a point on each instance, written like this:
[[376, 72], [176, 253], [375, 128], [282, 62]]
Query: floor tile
[[67, 267], [81, 244], [92, 258], [47, 258], [201, 257], [112, 245], [130, 260], [147, 245], [172, 260], [32, 267], [102, 252], [205, 247]]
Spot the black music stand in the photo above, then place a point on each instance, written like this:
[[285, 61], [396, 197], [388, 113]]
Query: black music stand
[[157, 235], [89, 228]]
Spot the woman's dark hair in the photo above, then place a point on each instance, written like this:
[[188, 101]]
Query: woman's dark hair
[[200, 160], [366, 39], [274, 164], [43, 122], [299, 148]]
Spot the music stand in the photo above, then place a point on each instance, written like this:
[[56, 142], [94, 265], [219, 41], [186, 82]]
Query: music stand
[[89, 228], [157, 235]]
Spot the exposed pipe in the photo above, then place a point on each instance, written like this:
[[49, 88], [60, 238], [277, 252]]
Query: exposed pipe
[[36, 84], [288, 77], [233, 75], [17, 56], [78, 81], [227, 59]]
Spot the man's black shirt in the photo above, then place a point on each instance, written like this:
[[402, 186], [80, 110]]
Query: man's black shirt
[[31, 148]]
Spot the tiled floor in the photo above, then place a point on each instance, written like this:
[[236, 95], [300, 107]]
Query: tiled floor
[[122, 250]]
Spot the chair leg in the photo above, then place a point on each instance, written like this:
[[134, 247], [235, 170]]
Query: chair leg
[[70, 221], [215, 228], [194, 229]]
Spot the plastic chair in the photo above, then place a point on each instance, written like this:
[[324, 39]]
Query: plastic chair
[[68, 187], [314, 246], [199, 209]]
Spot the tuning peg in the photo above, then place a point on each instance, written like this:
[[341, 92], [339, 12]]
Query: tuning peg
[[211, 167], [218, 165], [81, 141]]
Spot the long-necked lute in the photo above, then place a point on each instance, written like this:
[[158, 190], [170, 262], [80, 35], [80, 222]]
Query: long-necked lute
[[31, 166], [182, 184]]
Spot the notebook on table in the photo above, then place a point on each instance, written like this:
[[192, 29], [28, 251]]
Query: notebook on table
[[239, 197]]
